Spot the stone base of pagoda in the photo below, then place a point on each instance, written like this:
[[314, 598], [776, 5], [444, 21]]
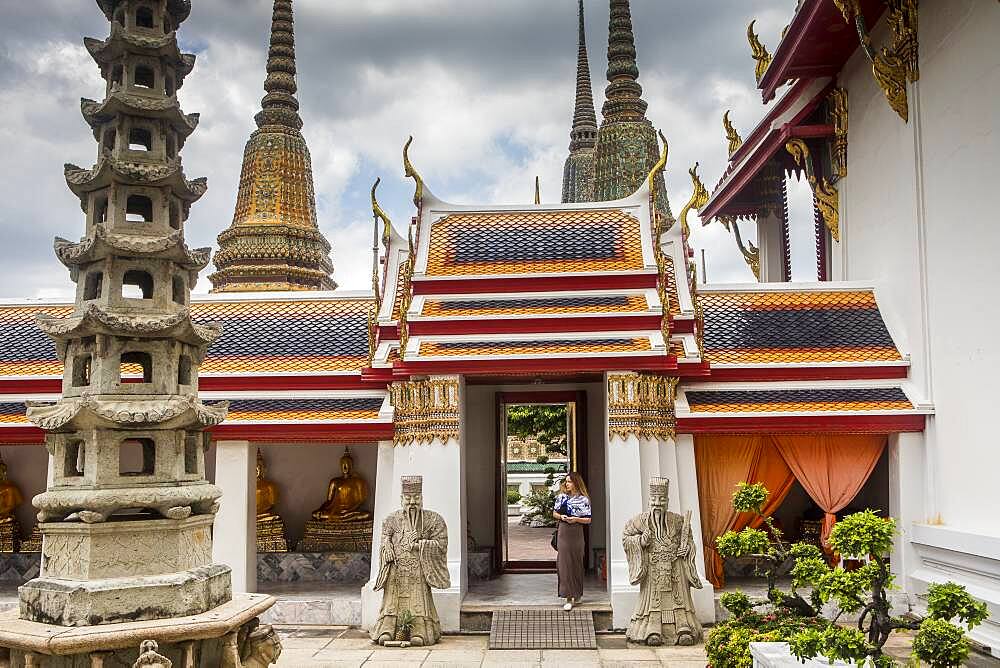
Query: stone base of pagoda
[[227, 635]]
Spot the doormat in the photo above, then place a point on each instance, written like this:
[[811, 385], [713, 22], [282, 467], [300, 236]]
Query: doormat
[[542, 629]]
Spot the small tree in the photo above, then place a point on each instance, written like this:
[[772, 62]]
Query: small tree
[[865, 590], [541, 502], [768, 549], [545, 423]]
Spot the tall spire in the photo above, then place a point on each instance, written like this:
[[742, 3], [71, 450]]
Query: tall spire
[[578, 173], [274, 242], [627, 146], [624, 94], [584, 133], [280, 106]]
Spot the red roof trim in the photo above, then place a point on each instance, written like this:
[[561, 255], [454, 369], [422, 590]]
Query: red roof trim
[[763, 373], [870, 424], [507, 367], [501, 325], [299, 432], [467, 286]]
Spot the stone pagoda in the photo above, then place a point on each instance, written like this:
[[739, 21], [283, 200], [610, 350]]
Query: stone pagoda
[[127, 516], [274, 242], [627, 148], [578, 172]]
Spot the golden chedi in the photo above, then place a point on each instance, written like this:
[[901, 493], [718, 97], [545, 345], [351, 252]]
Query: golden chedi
[[10, 499], [270, 527], [340, 524]]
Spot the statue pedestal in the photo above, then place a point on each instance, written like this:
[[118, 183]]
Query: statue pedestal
[[10, 536], [271, 535], [337, 536], [196, 641]]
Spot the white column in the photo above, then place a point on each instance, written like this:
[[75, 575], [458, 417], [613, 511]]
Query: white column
[[772, 256], [687, 489], [623, 471], [235, 533], [907, 501]]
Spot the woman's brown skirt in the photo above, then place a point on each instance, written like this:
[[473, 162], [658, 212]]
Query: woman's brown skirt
[[570, 561]]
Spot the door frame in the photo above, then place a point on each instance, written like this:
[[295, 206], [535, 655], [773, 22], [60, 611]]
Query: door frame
[[579, 458]]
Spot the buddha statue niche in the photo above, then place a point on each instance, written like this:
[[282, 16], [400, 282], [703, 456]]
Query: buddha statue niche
[[270, 527], [339, 525], [344, 495], [10, 499]]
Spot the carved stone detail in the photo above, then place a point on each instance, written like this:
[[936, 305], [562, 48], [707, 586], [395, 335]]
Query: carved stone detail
[[425, 410], [641, 406]]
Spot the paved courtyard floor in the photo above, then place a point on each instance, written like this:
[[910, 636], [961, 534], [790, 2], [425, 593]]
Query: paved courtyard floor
[[351, 648]]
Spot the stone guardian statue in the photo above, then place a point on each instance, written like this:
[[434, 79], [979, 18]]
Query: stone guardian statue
[[660, 549], [412, 560]]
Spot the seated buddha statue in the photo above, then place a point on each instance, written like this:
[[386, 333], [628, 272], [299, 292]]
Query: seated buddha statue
[[10, 497], [344, 496], [267, 492]]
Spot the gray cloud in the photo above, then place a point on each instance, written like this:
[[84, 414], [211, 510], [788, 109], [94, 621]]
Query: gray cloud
[[485, 86]]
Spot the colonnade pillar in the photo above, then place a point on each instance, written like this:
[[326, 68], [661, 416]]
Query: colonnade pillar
[[234, 537], [429, 441]]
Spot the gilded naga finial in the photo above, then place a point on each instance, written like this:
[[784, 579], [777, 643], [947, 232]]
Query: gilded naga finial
[[735, 141], [699, 198], [758, 51], [379, 215], [418, 193], [659, 166]]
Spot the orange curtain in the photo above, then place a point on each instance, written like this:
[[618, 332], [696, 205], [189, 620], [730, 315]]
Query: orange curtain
[[831, 467], [723, 461]]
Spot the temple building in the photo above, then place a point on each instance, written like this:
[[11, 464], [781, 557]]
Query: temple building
[[274, 242], [866, 388]]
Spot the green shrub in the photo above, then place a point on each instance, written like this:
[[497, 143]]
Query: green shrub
[[728, 643], [940, 644], [513, 496]]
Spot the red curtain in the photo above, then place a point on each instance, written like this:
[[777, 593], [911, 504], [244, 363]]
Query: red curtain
[[722, 461], [831, 467]]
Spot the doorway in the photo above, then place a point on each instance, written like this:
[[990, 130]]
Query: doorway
[[541, 439]]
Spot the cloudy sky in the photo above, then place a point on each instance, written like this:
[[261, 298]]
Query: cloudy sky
[[485, 86]]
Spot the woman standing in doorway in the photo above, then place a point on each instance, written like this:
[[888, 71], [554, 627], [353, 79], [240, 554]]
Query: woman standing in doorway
[[571, 511]]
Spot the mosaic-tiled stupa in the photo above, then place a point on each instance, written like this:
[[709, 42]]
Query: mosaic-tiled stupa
[[578, 172]]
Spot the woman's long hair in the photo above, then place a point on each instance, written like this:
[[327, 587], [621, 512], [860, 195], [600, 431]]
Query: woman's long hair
[[578, 483]]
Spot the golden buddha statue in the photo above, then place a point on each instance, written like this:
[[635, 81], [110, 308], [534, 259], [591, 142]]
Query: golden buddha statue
[[339, 525], [344, 495], [270, 527], [10, 499], [267, 491]]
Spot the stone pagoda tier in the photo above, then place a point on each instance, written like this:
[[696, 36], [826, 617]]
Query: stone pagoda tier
[[128, 513], [578, 171], [274, 242]]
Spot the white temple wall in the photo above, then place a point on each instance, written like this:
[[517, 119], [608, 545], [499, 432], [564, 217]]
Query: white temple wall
[[303, 471], [919, 221], [482, 455], [27, 466]]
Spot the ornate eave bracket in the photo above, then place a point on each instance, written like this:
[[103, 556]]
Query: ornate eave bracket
[[751, 254], [425, 410], [837, 105], [827, 197], [641, 406], [758, 51], [897, 64]]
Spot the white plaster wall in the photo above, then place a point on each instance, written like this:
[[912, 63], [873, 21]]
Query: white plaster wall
[[303, 472], [27, 466], [481, 455]]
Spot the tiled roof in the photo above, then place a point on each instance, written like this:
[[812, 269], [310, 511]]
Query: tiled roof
[[296, 335], [771, 327], [811, 400], [531, 347], [253, 410], [13, 412], [675, 304], [525, 242], [577, 304]]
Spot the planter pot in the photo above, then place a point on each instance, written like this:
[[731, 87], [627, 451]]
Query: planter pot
[[778, 655]]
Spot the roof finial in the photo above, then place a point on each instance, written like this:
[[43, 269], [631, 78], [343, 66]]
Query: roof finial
[[538, 190], [624, 94], [279, 106], [584, 133], [732, 136]]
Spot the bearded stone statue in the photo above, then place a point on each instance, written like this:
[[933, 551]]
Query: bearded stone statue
[[412, 560], [659, 546]]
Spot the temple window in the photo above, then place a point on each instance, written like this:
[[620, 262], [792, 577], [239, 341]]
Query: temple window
[[168, 86], [175, 217], [144, 18], [179, 290], [139, 209], [191, 444], [100, 210], [144, 77], [81, 370], [184, 370], [137, 284], [73, 464], [140, 139], [171, 146], [93, 285], [109, 139], [137, 456], [117, 72], [136, 367]]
